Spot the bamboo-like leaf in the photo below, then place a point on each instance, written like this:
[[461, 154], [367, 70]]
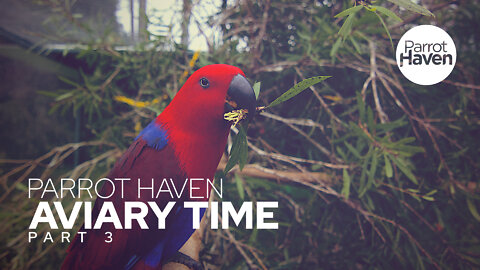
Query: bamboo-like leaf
[[361, 107], [371, 206], [219, 175], [256, 89], [473, 209], [355, 44], [64, 96], [401, 165], [22, 187], [341, 153], [349, 11], [68, 81], [405, 140], [239, 184], [346, 184], [335, 48], [253, 236], [387, 12], [385, 127], [386, 30], [353, 150], [408, 150], [239, 152], [388, 167], [409, 5], [363, 176], [243, 149], [373, 169], [370, 120], [297, 89], [47, 93], [346, 26]]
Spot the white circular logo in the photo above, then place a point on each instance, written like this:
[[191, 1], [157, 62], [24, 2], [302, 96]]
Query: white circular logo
[[426, 54]]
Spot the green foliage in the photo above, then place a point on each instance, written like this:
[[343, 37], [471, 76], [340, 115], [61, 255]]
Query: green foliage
[[409, 5], [349, 11], [386, 12], [256, 89], [391, 162], [297, 89], [239, 152]]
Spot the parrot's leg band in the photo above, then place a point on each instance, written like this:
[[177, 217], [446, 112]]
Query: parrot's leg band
[[186, 260]]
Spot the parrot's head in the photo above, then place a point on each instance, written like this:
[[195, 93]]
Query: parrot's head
[[209, 93], [194, 120]]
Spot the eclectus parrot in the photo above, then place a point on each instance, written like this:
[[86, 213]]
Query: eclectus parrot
[[185, 141]]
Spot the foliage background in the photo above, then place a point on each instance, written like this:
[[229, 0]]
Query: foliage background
[[370, 170]]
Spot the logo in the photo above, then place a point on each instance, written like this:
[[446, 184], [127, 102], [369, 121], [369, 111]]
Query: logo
[[426, 55]]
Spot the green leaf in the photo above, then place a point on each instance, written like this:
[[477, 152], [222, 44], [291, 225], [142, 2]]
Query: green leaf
[[405, 140], [387, 12], [361, 107], [385, 127], [335, 48], [346, 27], [68, 81], [22, 187], [355, 44], [353, 150], [243, 149], [408, 150], [47, 93], [341, 153], [473, 209], [64, 96], [409, 5], [373, 169], [364, 186], [297, 89], [370, 204], [240, 189], [346, 184], [386, 30], [349, 11], [370, 120], [253, 236], [388, 167], [256, 89], [239, 152], [219, 175], [401, 165], [428, 198]]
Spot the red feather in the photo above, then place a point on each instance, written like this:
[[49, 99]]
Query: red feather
[[140, 161], [197, 136]]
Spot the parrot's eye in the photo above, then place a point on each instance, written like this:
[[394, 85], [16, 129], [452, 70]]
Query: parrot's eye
[[204, 82]]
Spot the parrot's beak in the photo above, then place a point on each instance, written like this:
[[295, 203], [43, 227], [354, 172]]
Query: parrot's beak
[[240, 95]]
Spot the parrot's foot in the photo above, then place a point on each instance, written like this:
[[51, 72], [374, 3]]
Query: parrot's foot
[[186, 260]]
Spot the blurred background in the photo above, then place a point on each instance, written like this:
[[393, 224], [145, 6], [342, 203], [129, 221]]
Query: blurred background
[[369, 169]]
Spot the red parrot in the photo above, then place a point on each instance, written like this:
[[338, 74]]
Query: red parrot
[[185, 141]]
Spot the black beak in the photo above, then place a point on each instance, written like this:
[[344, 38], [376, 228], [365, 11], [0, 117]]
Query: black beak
[[240, 95]]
